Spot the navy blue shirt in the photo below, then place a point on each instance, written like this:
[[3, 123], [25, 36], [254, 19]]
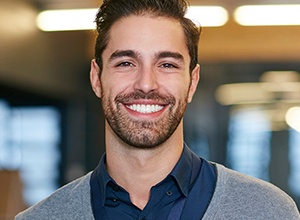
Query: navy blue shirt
[[111, 201]]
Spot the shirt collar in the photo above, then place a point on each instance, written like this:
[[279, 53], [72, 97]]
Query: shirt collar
[[103, 177], [182, 170], [181, 173]]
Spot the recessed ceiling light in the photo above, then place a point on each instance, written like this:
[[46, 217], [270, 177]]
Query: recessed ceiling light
[[82, 19], [267, 15], [67, 20], [208, 16]]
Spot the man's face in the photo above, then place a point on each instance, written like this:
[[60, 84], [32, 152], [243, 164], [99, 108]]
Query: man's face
[[145, 82]]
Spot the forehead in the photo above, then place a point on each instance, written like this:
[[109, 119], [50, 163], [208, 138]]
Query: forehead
[[147, 34]]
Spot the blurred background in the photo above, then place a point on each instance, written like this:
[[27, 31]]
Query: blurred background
[[244, 115]]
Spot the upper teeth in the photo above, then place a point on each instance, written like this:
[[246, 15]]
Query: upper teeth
[[145, 108]]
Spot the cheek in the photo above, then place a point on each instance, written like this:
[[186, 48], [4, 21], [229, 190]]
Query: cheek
[[179, 89], [113, 87]]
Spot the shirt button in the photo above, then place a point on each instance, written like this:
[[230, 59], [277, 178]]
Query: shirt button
[[169, 193], [114, 200]]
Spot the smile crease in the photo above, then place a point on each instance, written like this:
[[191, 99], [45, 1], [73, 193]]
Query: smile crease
[[145, 109]]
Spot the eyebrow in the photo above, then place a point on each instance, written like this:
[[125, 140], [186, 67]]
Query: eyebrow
[[166, 54], [135, 55], [123, 53]]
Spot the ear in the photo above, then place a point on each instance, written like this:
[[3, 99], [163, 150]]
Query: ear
[[194, 82], [95, 78]]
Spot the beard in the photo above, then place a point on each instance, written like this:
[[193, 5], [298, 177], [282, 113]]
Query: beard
[[141, 133]]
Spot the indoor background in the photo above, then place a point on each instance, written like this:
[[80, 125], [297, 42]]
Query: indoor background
[[244, 115]]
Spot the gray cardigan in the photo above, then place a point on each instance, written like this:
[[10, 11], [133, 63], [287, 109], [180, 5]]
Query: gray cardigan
[[236, 196]]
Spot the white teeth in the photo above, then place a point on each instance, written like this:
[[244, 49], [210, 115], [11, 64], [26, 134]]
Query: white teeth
[[145, 109]]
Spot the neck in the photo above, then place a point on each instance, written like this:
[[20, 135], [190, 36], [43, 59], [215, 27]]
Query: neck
[[137, 170]]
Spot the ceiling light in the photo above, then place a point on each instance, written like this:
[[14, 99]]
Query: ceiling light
[[207, 16], [292, 118], [267, 15], [83, 19], [67, 20], [242, 93], [274, 87]]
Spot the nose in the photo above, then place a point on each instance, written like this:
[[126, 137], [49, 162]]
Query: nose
[[146, 80]]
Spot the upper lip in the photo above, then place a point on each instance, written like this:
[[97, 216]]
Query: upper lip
[[144, 102]]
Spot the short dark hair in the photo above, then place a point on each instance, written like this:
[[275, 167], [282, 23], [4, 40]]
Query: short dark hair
[[113, 10]]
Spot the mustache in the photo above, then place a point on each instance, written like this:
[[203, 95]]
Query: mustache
[[153, 95]]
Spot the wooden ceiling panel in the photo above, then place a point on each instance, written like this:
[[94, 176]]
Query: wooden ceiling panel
[[233, 42]]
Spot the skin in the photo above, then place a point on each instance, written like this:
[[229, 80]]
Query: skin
[[146, 63]]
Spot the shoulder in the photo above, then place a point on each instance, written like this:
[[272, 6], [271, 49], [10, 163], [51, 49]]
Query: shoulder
[[70, 201], [239, 195]]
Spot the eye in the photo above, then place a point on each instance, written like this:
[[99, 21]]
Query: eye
[[125, 64], [168, 66]]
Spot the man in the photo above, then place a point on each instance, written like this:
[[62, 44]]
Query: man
[[145, 73]]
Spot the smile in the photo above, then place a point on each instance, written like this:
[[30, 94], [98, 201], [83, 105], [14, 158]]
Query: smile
[[145, 109]]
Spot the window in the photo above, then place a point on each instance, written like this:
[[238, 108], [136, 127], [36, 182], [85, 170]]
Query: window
[[248, 149], [294, 155], [29, 142]]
